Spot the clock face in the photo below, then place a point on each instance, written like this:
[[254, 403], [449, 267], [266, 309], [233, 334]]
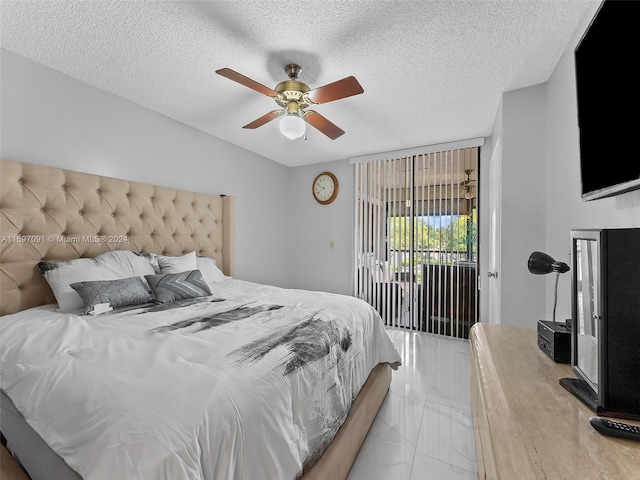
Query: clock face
[[325, 188]]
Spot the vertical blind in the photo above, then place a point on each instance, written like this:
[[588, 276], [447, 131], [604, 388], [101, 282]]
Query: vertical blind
[[416, 242]]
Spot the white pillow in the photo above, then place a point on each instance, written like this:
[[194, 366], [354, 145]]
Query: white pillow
[[185, 263], [152, 258], [209, 269], [106, 266]]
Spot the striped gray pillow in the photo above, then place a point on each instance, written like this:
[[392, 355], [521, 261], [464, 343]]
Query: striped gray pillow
[[177, 286]]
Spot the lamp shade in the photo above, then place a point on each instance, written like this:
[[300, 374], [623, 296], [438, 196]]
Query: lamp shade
[[540, 264], [292, 126]]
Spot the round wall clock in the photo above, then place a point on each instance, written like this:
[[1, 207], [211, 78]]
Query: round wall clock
[[325, 188]]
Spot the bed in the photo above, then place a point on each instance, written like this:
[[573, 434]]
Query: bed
[[243, 381]]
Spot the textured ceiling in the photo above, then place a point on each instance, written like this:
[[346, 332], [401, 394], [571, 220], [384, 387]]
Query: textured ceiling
[[432, 71]]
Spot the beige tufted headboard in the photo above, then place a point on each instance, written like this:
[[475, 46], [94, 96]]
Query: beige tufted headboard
[[49, 213]]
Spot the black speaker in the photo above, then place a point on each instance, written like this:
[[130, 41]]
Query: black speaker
[[606, 321]]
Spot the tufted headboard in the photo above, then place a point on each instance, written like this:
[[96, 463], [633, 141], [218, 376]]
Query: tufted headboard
[[49, 213]]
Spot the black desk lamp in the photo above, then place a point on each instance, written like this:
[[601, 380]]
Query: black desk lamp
[[540, 264]]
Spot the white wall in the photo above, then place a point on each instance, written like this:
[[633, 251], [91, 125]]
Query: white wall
[[541, 191], [315, 265], [524, 186], [565, 210], [51, 119]]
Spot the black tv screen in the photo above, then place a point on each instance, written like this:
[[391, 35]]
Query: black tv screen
[[608, 95]]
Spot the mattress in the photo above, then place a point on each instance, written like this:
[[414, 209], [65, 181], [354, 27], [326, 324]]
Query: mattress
[[251, 382]]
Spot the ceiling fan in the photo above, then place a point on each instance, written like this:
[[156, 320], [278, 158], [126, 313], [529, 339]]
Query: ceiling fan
[[295, 97], [468, 185]]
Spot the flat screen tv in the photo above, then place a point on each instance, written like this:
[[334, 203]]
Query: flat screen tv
[[608, 97]]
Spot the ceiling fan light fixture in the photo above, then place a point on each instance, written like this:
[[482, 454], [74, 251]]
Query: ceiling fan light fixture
[[292, 126], [295, 96]]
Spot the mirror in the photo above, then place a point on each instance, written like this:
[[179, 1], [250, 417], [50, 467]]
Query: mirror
[[588, 309]]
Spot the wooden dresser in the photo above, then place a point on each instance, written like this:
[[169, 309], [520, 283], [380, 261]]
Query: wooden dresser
[[528, 427]]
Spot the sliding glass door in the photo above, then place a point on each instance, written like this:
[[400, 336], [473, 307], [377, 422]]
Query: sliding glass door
[[416, 240]]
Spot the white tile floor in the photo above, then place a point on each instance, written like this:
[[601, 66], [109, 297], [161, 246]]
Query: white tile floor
[[423, 430]]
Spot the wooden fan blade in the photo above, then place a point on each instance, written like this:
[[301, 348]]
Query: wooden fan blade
[[335, 91], [321, 123], [246, 81], [266, 118]]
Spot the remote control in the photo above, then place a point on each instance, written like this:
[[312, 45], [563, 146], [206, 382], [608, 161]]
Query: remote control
[[615, 429]]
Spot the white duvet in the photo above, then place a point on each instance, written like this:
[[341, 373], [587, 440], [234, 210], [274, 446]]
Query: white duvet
[[250, 383]]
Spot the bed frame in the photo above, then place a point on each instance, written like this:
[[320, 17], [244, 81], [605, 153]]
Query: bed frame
[[48, 213]]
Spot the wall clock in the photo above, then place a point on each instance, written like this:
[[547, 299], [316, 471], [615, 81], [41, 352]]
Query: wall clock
[[325, 188]]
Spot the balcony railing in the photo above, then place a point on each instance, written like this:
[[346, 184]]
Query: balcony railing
[[427, 290]]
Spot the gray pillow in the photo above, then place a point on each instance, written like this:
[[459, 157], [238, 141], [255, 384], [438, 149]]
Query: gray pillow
[[117, 293], [177, 286]]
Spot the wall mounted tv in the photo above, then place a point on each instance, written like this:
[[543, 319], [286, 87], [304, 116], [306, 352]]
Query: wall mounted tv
[[608, 96]]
